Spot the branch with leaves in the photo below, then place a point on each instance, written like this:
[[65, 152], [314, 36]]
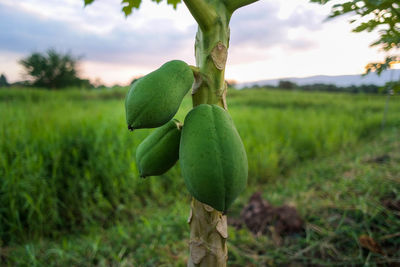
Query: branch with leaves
[[373, 15], [379, 67]]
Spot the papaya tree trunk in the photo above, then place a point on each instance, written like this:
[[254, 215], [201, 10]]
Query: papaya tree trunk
[[208, 227], [208, 234]]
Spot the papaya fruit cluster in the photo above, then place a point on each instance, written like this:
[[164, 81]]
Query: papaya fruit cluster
[[210, 151]]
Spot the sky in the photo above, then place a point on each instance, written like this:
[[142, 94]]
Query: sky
[[269, 39]]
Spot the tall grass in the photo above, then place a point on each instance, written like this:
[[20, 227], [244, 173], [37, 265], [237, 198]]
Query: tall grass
[[67, 160]]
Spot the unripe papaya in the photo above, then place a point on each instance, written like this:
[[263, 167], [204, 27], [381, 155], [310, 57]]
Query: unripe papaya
[[160, 150], [154, 99], [212, 157]]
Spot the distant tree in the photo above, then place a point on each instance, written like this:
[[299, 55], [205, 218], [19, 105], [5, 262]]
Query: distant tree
[[256, 86], [23, 83], [98, 83], [84, 83], [3, 81], [319, 87], [382, 16], [286, 84], [53, 70]]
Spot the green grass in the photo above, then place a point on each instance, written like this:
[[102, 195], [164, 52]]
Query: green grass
[[70, 192], [340, 198]]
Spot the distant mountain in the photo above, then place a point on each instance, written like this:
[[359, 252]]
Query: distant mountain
[[341, 80]]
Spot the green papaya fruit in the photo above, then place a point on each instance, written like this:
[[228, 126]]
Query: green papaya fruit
[[212, 157], [160, 150], [154, 99]]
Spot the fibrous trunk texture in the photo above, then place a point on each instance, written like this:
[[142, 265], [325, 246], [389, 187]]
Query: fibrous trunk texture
[[208, 234]]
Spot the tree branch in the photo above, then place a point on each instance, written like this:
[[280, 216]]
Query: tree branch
[[232, 5], [202, 12]]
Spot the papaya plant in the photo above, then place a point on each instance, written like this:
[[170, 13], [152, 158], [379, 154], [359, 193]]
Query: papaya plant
[[211, 153]]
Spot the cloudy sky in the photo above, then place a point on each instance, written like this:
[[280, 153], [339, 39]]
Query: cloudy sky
[[269, 39]]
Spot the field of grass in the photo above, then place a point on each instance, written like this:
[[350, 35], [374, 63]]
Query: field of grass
[[70, 192]]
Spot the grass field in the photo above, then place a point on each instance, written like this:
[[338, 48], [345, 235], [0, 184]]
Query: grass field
[[70, 192]]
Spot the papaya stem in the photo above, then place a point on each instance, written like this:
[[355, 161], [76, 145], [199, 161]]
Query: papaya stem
[[208, 227], [232, 5], [202, 12]]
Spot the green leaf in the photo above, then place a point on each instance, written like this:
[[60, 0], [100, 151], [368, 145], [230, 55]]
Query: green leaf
[[380, 67], [322, 2], [88, 2], [128, 5], [382, 16], [174, 3]]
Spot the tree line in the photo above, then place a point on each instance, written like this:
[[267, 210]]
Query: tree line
[[323, 87]]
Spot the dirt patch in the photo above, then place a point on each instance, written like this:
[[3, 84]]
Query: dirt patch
[[369, 243], [378, 159], [391, 204], [260, 217], [4, 252]]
